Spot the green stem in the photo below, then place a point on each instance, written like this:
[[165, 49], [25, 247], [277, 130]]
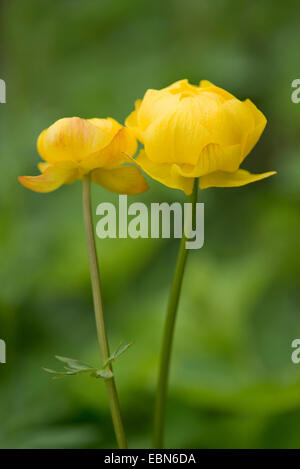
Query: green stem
[[162, 386], [99, 314]]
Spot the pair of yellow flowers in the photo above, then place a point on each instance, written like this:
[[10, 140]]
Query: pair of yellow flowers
[[187, 131]]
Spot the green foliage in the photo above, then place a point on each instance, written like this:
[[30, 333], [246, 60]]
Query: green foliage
[[76, 367]]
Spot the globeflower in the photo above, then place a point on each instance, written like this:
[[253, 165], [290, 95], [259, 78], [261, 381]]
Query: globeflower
[[192, 136], [193, 132], [92, 150], [73, 147]]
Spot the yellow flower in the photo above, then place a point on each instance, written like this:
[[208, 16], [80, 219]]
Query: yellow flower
[[73, 147], [196, 131]]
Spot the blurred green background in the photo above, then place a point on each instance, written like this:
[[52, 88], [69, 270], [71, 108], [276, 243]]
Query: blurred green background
[[232, 384]]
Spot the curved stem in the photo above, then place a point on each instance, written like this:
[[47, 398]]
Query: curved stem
[[99, 314], [162, 386]]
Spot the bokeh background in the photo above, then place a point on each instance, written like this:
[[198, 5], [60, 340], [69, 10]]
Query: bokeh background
[[232, 384]]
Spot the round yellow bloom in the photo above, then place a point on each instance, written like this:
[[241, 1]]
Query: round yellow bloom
[[196, 131], [73, 147]]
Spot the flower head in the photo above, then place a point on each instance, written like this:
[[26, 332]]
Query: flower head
[[196, 131], [73, 147]]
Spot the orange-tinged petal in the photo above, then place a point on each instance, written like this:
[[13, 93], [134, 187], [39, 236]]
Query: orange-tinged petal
[[108, 126], [71, 139], [164, 173], [123, 180], [124, 142], [239, 178], [52, 177]]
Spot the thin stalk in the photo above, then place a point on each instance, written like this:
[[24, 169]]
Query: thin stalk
[[99, 314], [166, 350]]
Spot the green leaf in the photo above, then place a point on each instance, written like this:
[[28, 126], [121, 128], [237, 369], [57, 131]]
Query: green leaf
[[74, 364], [75, 367], [53, 372], [119, 351], [59, 374]]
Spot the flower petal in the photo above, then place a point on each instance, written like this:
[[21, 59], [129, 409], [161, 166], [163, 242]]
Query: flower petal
[[212, 158], [122, 180], [71, 139], [206, 85], [108, 126], [232, 123], [154, 105], [112, 155], [164, 173], [224, 179], [260, 124], [182, 86], [43, 166], [177, 137], [132, 121], [52, 177]]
